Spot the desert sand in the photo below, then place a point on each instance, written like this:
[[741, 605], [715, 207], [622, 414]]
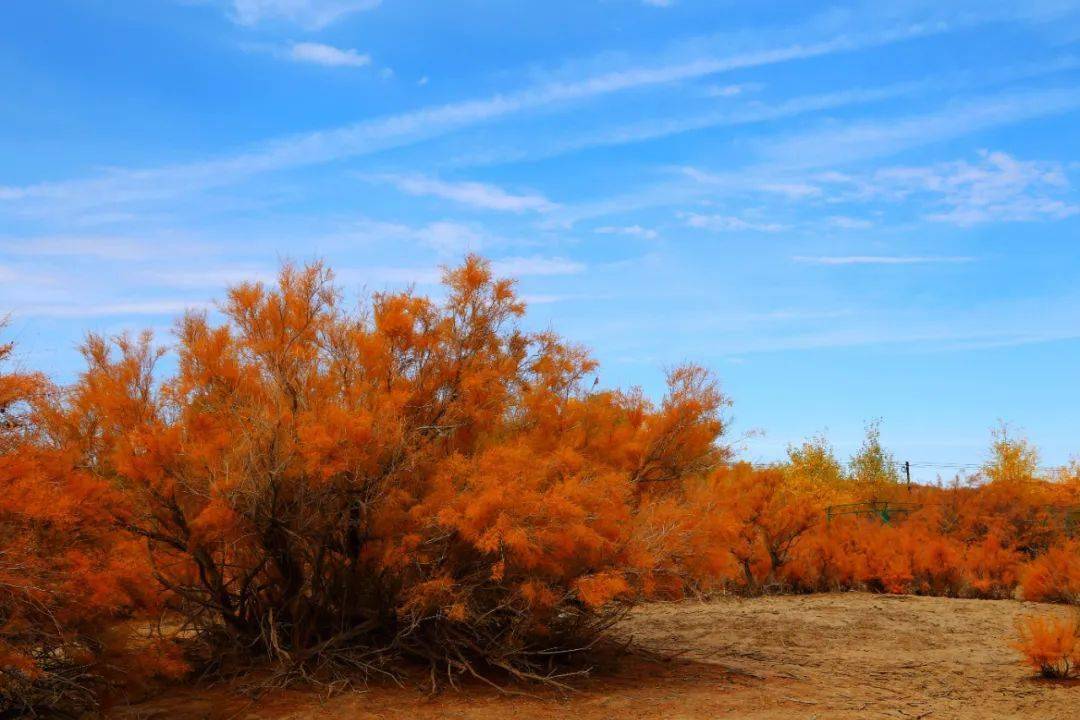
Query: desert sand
[[843, 655]]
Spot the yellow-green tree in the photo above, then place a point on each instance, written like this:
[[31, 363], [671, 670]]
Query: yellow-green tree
[[812, 467], [1012, 458], [874, 472]]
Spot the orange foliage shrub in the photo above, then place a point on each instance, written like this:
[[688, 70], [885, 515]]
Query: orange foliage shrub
[[991, 569], [829, 558], [1054, 576], [1018, 514], [66, 575], [766, 516], [974, 539], [907, 555], [867, 554], [420, 479], [1051, 645]]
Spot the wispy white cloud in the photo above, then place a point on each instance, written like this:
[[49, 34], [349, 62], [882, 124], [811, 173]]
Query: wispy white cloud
[[550, 298], [451, 238], [727, 91], [916, 338], [845, 222], [791, 190], [664, 127], [117, 188], [730, 223], [213, 280], [756, 112], [87, 310], [988, 323], [1019, 209], [211, 276], [996, 188], [446, 237], [102, 247], [309, 14], [628, 230], [121, 186], [867, 139], [327, 55], [474, 194], [879, 259], [536, 265], [513, 267]]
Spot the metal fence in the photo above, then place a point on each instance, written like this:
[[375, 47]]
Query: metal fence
[[888, 511]]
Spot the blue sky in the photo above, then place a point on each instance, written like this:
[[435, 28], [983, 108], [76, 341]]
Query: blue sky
[[848, 210]]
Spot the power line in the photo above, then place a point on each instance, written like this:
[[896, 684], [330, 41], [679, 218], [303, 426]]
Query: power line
[[929, 465]]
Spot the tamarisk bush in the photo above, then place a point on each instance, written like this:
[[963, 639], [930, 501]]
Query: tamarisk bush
[[768, 515], [1054, 576], [416, 479], [66, 576], [1051, 645]]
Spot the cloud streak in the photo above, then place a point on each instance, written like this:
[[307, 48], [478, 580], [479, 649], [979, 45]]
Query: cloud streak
[[474, 194], [836, 260], [730, 223], [83, 310], [309, 14], [869, 139], [101, 247], [628, 230], [369, 136], [536, 265], [327, 55], [997, 187]]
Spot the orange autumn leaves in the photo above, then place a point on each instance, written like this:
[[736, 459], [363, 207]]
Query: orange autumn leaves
[[428, 481], [1051, 645], [416, 478], [67, 577], [961, 541]]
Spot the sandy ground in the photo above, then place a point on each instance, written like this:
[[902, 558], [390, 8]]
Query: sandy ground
[[849, 655]]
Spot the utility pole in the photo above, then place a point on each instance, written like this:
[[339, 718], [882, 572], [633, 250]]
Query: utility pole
[[907, 474]]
